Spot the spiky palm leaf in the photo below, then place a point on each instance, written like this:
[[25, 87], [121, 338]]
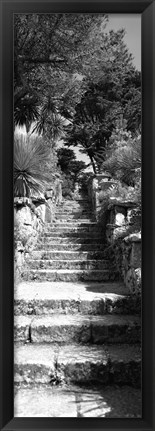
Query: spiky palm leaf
[[29, 155], [49, 120], [26, 110]]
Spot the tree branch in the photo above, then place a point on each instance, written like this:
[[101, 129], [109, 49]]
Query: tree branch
[[38, 60]]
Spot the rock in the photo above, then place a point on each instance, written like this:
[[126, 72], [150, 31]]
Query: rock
[[134, 237], [133, 280]]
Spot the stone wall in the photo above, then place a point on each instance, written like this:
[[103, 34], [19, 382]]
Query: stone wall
[[131, 262], [29, 218], [97, 190], [113, 216], [127, 249]]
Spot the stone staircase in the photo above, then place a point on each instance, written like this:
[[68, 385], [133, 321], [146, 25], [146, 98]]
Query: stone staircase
[[77, 332]]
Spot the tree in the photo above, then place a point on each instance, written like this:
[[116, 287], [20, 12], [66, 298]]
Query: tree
[[115, 91], [71, 167], [48, 57]]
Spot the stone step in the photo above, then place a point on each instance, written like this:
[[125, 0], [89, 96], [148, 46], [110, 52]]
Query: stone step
[[53, 239], [55, 401], [68, 264], [72, 223], [74, 203], [58, 226], [67, 275], [71, 298], [67, 255], [75, 207], [67, 329], [105, 365], [69, 220], [69, 233], [74, 216], [68, 246]]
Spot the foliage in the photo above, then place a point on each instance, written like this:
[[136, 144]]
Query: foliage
[[65, 157], [49, 54], [67, 186], [84, 182], [69, 165], [56, 57], [123, 162], [30, 154], [117, 92], [123, 155], [25, 108]]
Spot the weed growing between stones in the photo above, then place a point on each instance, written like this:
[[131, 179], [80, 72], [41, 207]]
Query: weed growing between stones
[[56, 378]]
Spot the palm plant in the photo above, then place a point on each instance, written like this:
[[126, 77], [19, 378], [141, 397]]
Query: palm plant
[[49, 121], [25, 108], [30, 155]]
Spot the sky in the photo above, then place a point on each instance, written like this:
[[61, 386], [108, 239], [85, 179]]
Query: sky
[[132, 25]]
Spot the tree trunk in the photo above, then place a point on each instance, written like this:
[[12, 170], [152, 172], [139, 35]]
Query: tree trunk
[[93, 165]]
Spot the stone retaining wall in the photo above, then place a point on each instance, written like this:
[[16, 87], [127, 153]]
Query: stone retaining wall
[[127, 249], [115, 221], [97, 189], [29, 218]]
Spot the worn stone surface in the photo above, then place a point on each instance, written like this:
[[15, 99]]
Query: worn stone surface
[[45, 363], [44, 241], [65, 264], [67, 255], [71, 226], [71, 331], [133, 280], [67, 245], [136, 255], [86, 298], [72, 235], [79, 329], [110, 402], [66, 275]]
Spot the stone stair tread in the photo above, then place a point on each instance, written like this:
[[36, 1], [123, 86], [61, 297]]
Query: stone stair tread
[[69, 228], [68, 264], [72, 246], [109, 402], [99, 275], [66, 260], [74, 298], [60, 239], [78, 242], [69, 254], [77, 320], [72, 234], [44, 354], [69, 271], [43, 363], [67, 290], [71, 223]]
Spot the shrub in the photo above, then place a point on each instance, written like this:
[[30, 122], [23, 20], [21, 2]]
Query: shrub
[[123, 157]]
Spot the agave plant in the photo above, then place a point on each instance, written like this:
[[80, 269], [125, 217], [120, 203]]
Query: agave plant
[[30, 155]]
